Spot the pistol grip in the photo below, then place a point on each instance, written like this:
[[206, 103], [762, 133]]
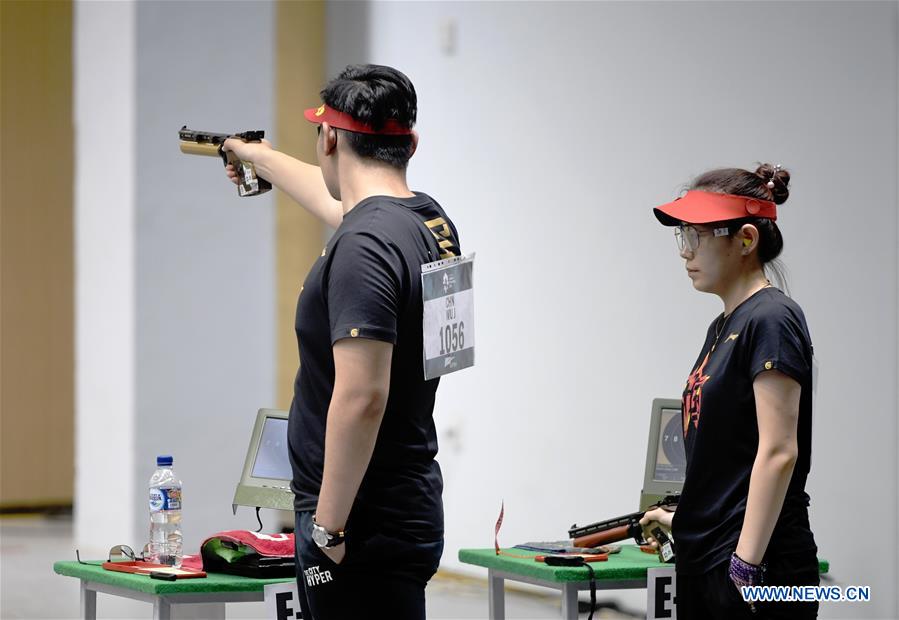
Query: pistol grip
[[250, 184]]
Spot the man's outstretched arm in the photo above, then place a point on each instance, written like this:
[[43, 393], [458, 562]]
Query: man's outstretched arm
[[301, 181]]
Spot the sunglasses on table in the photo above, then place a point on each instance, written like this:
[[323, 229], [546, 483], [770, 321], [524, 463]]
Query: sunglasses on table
[[119, 553]]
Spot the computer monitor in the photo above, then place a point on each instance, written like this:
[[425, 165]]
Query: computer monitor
[[666, 461], [265, 482]]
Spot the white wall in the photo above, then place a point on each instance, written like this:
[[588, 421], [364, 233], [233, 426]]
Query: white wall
[[548, 135], [184, 297]]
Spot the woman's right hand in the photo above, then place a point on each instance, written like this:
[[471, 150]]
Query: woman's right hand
[[654, 518]]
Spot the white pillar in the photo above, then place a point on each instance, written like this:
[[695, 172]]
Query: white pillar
[[175, 297], [105, 180]]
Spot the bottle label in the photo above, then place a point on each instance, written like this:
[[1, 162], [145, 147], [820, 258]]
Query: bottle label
[[165, 499]]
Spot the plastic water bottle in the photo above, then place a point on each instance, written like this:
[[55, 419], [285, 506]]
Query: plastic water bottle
[[165, 514]]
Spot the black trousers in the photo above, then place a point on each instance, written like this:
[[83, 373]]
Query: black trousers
[[381, 576], [713, 595]]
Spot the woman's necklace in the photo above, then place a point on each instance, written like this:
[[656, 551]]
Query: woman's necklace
[[719, 327], [724, 318]]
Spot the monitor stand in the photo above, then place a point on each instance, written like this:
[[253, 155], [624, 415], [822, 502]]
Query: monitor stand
[[261, 497]]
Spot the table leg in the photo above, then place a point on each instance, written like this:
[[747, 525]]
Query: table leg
[[569, 601], [162, 609], [88, 602], [496, 596]]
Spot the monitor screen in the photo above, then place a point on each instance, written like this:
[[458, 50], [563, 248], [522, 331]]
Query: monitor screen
[[272, 460], [671, 461]]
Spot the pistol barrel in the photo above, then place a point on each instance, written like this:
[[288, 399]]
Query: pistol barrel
[[200, 148]]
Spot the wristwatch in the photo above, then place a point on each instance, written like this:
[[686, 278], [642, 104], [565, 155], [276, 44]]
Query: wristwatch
[[324, 539]]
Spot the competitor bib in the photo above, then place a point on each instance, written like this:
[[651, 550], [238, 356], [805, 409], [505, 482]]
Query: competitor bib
[[447, 288]]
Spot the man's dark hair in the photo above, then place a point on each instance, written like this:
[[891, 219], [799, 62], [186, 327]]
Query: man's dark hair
[[374, 94]]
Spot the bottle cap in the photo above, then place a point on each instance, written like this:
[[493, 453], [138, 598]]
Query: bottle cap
[[164, 461]]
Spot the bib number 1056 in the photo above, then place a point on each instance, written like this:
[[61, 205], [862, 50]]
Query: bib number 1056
[[452, 337], [447, 295]]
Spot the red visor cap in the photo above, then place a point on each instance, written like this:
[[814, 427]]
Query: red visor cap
[[342, 120], [698, 207]]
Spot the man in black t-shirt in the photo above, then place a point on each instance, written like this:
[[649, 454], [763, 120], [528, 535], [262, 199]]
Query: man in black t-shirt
[[369, 514]]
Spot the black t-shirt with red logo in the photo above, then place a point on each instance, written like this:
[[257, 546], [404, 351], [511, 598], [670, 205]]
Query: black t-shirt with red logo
[[767, 331], [367, 284]]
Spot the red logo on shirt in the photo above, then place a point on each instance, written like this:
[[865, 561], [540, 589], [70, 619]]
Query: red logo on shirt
[[693, 395]]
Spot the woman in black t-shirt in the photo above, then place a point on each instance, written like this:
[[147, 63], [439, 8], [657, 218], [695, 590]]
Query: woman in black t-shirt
[[742, 518]]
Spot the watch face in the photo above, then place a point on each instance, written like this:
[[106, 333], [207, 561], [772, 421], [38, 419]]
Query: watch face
[[319, 536]]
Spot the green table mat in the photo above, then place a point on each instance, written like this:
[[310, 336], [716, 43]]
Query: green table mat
[[213, 582], [630, 564]]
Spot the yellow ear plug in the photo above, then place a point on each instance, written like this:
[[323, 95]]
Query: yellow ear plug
[[747, 243]]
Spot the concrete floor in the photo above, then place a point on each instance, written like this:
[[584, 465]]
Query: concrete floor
[[30, 589]]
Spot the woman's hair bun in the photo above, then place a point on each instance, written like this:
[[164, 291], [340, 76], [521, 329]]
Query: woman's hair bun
[[776, 180]]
